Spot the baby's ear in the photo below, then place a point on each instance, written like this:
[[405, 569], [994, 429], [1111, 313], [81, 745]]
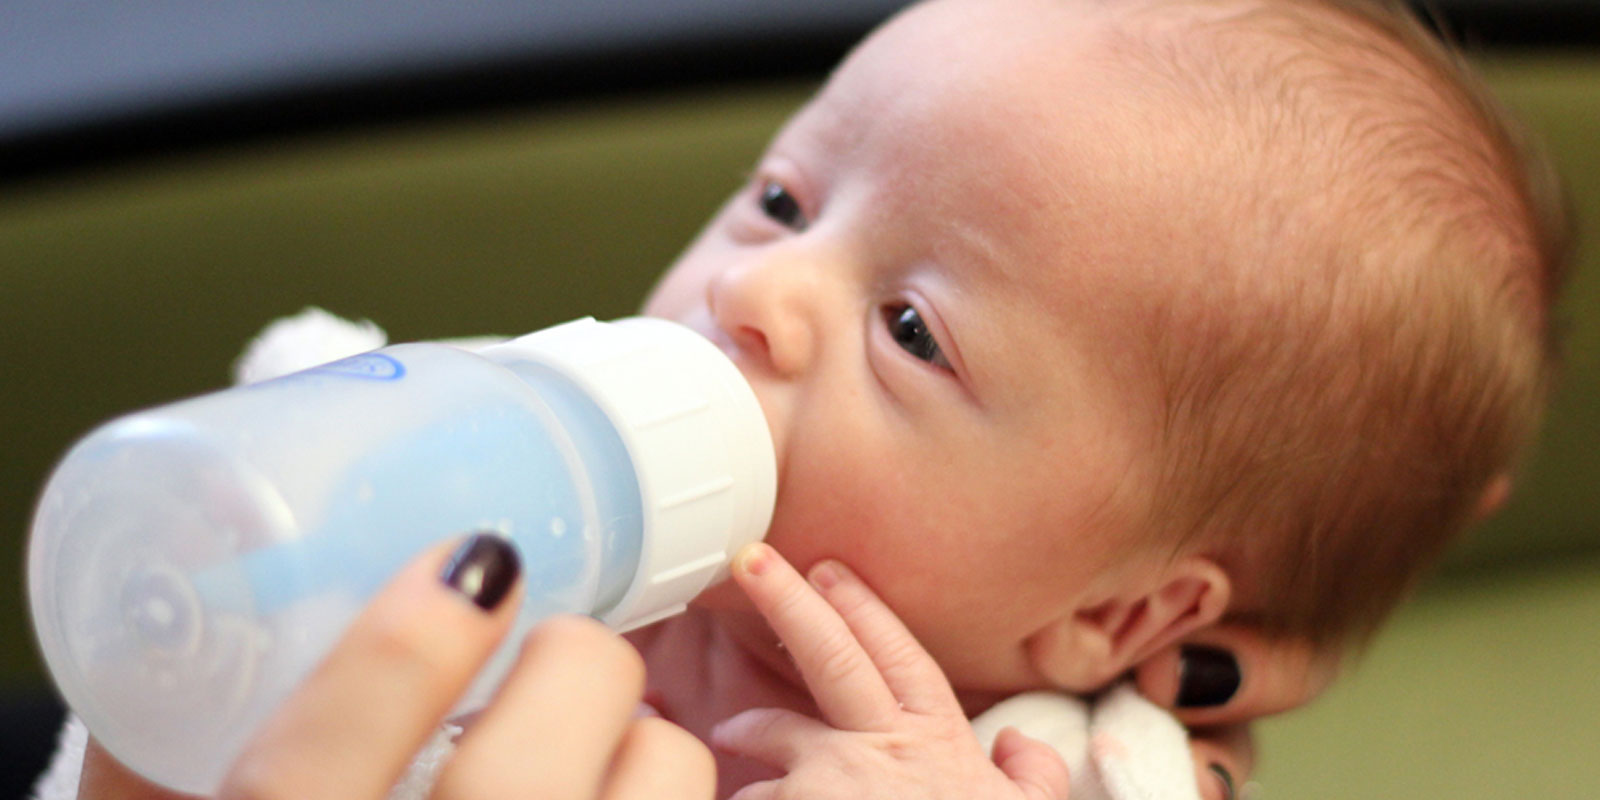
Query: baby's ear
[[1088, 648]]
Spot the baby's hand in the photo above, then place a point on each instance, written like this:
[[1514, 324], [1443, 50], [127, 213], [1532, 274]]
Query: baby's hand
[[891, 726]]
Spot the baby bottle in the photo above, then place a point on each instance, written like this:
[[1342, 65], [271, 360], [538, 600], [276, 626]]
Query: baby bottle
[[190, 564]]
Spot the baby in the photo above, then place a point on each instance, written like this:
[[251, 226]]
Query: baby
[[1083, 327]]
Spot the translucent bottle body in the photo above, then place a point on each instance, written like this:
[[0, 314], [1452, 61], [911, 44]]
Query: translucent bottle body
[[190, 564]]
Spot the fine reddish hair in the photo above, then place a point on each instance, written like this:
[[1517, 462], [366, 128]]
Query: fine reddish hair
[[1346, 374]]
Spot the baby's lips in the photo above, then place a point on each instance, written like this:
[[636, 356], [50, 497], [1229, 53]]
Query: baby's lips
[[764, 395], [700, 321], [722, 340]]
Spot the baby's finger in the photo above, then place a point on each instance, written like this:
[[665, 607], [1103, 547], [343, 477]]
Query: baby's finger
[[1227, 675], [658, 759], [910, 673], [849, 691], [1223, 759], [354, 724], [775, 737], [554, 723]]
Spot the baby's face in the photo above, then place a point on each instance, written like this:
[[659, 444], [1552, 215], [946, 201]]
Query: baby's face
[[928, 282]]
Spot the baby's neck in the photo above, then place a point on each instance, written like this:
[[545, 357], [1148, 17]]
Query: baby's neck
[[698, 674], [703, 667]]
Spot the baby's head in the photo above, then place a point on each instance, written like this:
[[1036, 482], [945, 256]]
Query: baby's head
[[1083, 324]]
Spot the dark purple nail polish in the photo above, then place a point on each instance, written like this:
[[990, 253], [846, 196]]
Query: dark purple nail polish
[[483, 569], [1226, 778], [1207, 676]]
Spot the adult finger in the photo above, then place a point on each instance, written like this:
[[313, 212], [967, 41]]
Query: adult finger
[[554, 723], [658, 759], [1223, 760], [1229, 674], [846, 685], [105, 778], [353, 725], [910, 673]]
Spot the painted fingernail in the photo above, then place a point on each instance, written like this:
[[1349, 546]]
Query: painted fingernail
[[1225, 778], [483, 570], [1207, 676], [825, 575]]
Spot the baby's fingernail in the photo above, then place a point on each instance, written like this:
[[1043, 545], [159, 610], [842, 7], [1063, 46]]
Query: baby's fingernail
[[754, 559], [826, 575], [483, 570], [1207, 677], [1225, 779]]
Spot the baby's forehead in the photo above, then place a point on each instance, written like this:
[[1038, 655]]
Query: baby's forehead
[[1149, 135], [1020, 129], [1193, 80]]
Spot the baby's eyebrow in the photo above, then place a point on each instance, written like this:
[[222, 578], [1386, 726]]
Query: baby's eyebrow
[[976, 252]]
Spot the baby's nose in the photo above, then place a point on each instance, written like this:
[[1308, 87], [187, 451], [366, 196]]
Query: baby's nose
[[769, 310]]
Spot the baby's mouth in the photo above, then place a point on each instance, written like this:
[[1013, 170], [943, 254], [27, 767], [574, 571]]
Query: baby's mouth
[[702, 323], [724, 342]]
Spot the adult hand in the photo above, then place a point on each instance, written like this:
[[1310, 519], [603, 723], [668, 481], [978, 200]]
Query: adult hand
[[1218, 680], [1229, 674], [562, 725]]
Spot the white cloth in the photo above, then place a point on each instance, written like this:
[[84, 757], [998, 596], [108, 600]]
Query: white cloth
[[302, 341], [1117, 747]]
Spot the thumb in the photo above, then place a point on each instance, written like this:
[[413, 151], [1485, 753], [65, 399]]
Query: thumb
[[106, 778], [1034, 766]]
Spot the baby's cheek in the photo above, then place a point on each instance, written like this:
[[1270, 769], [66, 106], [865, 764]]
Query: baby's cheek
[[724, 596], [670, 299]]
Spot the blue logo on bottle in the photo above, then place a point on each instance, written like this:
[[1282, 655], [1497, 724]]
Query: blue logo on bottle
[[367, 366]]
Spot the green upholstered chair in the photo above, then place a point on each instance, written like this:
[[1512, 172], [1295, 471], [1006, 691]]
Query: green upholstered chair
[[138, 254]]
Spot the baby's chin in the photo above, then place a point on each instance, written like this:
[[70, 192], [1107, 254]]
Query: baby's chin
[[725, 596], [731, 619]]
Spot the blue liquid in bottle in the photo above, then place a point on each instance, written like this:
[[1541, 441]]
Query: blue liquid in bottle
[[221, 545]]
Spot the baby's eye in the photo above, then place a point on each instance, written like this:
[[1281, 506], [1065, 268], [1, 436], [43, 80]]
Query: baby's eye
[[780, 205], [911, 333]]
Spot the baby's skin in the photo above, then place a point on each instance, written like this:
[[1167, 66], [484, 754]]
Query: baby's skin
[[934, 281]]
